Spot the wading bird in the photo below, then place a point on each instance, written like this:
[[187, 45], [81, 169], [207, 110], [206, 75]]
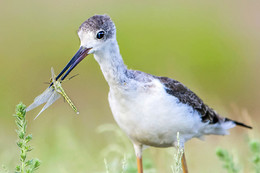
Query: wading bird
[[149, 109]]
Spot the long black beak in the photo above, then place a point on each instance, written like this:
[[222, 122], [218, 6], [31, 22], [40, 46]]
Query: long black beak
[[79, 56]]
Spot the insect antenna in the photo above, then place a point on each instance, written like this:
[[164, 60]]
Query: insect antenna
[[72, 76]]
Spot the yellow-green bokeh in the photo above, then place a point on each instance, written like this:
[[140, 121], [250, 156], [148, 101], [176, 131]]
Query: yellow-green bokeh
[[212, 47]]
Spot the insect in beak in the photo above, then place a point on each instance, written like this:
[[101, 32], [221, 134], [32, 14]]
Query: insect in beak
[[75, 60]]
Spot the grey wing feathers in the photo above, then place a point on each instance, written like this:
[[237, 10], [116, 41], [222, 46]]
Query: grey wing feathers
[[186, 96]]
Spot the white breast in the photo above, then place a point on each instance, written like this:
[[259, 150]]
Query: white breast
[[152, 117]]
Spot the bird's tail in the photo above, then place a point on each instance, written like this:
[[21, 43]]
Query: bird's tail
[[238, 123]]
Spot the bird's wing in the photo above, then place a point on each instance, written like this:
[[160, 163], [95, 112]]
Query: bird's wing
[[188, 97]]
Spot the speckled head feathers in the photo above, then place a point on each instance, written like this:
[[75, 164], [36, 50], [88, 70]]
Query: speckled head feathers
[[99, 23]]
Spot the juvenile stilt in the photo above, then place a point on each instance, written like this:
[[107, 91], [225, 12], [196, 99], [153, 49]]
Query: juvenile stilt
[[149, 109], [184, 164]]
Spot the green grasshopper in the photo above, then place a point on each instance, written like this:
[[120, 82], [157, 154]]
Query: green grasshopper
[[50, 95], [57, 87]]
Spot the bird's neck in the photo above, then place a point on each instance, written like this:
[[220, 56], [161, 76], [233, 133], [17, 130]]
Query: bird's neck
[[112, 64]]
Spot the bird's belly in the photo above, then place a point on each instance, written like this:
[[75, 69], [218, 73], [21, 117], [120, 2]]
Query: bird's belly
[[154, 119]]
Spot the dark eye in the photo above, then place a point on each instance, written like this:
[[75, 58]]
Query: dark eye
[[100, 34]]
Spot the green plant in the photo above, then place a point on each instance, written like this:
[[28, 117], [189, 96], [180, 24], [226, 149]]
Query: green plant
[[126, 163], [231, 167], [27, 166], [119, 156], [254, 146], [228, 161]]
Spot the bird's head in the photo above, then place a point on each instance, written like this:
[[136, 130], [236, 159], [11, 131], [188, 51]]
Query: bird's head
[[95, 33]]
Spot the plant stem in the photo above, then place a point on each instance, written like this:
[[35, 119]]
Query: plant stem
[[31, 165]]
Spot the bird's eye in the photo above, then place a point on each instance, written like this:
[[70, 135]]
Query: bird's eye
[[100, 34]]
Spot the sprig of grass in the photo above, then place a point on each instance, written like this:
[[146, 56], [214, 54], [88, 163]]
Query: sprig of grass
[[26, 166], [120, 157], [177, 166], [254, 146], [229, 164], [228, 161], [128, 162]]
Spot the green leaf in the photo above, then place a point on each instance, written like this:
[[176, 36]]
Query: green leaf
[[23, 156], [36, 164], [256, 159], [20, 144], [28, 138], [222, 154], [28, 148], [18, 168], [228, 164], [255, 146], [21, 134]]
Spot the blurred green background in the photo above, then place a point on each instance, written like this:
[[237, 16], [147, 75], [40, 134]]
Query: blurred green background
[[212, 47]]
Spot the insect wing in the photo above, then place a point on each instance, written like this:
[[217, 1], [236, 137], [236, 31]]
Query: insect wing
[[50, 95], [55, 96], [42, 98]]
